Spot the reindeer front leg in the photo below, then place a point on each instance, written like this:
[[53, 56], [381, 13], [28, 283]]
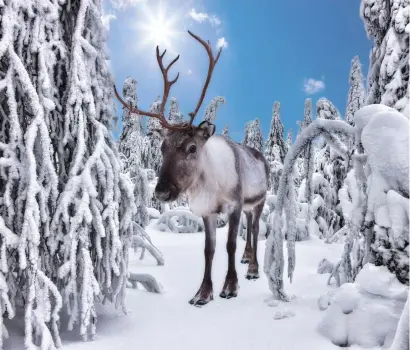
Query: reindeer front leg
[[230, 289], [205, 292]]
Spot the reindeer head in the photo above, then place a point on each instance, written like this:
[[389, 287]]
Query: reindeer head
[[182, 144], [181, 166]]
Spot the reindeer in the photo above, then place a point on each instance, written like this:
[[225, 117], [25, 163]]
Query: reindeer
[[217, 175]]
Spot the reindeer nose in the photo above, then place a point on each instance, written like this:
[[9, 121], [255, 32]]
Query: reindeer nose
[[164, 190]]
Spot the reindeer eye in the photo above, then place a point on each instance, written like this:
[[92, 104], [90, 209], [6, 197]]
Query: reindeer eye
[[192, 149]]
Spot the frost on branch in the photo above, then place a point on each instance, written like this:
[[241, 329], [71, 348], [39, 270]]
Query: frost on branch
[[66, 219]]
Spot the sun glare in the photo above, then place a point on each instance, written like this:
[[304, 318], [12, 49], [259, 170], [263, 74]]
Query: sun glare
[[158, 27]]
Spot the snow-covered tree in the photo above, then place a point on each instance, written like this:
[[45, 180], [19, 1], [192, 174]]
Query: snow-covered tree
[[130, 146], [307, 116], [276, 167], [275, 136], [131, 138], [253, 135], [152, 143], [174, 116], [387, 23], [212, 108], [65, 209], [326, 110], [356, 96], [302, 164], [225, 131], [289, 140]]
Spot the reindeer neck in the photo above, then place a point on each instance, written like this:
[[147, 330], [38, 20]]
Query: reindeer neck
[[217, 177]]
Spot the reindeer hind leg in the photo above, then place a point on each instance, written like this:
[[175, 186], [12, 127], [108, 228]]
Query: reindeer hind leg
[[247, 254], [253, 267]]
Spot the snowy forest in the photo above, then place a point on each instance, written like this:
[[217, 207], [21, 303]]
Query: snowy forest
[[91, 258]]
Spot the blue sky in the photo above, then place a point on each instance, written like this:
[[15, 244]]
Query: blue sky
[[271, 50]]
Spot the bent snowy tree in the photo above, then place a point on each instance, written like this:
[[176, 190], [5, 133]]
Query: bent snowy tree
[[217, 175], [381, 180], [274, 261]]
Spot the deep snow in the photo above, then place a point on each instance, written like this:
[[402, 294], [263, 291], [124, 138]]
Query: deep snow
[[250, 321]]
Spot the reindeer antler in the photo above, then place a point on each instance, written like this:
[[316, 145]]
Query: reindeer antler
[[168, 84], [212, 63], [167, 87]]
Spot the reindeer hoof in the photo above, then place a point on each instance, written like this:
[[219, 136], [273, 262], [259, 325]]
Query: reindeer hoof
[[252, 276], [244, 261], [228, 295], [200, 302]]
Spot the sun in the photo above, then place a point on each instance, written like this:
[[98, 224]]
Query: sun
[[158, 27]]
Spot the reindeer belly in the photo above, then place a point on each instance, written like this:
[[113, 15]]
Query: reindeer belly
[[254, 184]]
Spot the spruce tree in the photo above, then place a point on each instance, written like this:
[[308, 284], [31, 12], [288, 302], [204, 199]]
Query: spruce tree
[[289, 140], [225, 131], [356, 96], [388, 78], [253, 135], [326, 110], [130, 146], [174, 116], [131, 138], [152, 143], [275, 136], [307, 116], [212, 108]]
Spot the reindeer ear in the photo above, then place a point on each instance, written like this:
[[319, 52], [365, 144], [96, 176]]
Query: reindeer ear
[[206, 129], [161, 133]]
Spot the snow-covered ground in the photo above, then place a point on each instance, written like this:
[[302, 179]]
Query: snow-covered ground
[[250, 321]]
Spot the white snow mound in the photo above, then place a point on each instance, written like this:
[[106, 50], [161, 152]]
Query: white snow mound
[[378, 280], [364, 313]]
